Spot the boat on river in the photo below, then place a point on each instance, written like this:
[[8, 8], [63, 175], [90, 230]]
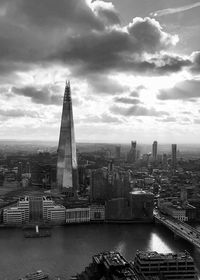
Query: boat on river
[[38, 275]]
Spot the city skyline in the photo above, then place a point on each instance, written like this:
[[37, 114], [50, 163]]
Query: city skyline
[[134, 70]]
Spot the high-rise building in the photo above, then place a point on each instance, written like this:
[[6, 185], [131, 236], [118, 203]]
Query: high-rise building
[[118, 151], [67, 174], [174, 148], [164, 161], [154, 150], [131, 158]]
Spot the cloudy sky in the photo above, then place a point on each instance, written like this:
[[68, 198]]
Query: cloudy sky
[[134, 67]]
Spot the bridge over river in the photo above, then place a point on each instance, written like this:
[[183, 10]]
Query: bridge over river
[[179, 228]]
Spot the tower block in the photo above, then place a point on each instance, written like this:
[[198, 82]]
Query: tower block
[[67, 173]]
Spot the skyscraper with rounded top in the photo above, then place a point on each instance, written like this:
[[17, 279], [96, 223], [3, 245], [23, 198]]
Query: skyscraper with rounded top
[[67, 174]]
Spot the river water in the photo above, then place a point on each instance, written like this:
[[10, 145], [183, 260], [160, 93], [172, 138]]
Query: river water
[[70, 248]]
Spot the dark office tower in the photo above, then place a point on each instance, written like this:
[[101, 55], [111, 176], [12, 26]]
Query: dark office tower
[[19, 172], [131, 158], [28, 169], [110, 166], [67, 174], [117, 151], [174, 148], [154, 150], [164, 161]]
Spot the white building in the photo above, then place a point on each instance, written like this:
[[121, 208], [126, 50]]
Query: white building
[[23, 204], [78, 215], [47, 203], [13, 215], [56, 214]]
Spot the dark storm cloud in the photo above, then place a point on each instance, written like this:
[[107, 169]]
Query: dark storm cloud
[[121, 49], [53, 14], [39, 96], [127, 100], [84, 36], [136, 111], [103, 84], [185, 90], [196, 61]]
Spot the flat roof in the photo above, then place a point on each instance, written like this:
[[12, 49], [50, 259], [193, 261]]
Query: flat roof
[[169, 256]]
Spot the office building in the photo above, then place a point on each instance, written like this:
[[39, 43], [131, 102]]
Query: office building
[[56, 214], [78, 215], [174, 160], [131, 157], [117, 151], [108, 266], [99, 186], [97, 212], [149, 265], [23, 204], [36, 208], [154, 150], [13, 215], [67, 173], [47, 203], [142, 203], [137, 207]]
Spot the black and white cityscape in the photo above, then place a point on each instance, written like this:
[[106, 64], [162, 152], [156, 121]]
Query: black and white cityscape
[[99, 140]]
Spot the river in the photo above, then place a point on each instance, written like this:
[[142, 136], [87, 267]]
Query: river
[[70, 248]]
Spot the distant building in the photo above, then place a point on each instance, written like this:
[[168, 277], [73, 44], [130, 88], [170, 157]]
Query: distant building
[[137, 207], [142, 205], [118, 209], [154, 150], [174, 159], [97, 212], [164, 161], [117, 151], [176, 211], [131, 157], [171, 266], [78, 215], [99, 186]]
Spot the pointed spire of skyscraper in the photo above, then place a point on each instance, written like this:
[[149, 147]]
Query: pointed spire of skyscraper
[[67, 95], [67, 174]]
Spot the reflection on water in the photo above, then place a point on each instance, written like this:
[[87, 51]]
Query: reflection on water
[[121, 247], [157, 244], [70, 248]]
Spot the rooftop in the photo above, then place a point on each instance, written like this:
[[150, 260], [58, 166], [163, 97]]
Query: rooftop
[[170, 256]]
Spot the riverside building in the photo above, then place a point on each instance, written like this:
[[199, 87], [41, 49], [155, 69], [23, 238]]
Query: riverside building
[[150, 265], [56, 214], [97, 212], [13, 216], [78, 215]]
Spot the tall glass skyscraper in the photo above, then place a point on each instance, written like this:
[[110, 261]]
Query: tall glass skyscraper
[[67, 174]]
